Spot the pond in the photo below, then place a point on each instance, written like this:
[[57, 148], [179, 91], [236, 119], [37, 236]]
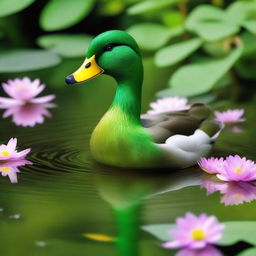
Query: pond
[[67, 204]]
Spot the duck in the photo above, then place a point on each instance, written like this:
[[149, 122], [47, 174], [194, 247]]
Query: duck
[[123, 138]]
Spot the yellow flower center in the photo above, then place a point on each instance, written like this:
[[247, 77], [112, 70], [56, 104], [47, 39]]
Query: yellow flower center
[[21, 87], [5, 153], [238, 195], [198, 234], [238, 170], [5, 169]]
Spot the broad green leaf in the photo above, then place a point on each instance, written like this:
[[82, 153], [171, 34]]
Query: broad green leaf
[[8, 7], [66, 45], [249, 44], [250, 25], [150, 36], [173, 54], [168, 92], [248, 252], [111, 7], [234, 232], [203, 13], [151, 5], [199, 78], [27, 60], [172, 18], [61, 14]]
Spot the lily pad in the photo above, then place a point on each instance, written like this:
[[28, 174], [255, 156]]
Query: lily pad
[[150, 36], [152, 5], [248, 252], [198, 78], [234, 232], [27, 60], [61, 14], [66, 45], [8, 7], [174, 53]]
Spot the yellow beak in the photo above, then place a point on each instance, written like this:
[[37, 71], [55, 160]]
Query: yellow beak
[[88, 70]]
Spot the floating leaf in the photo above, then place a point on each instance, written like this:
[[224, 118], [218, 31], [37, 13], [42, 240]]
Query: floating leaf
[[234, 232], [151, 5], [27, 60], [248, 252], [250, 25], [173, 54], [198, 78], [150, 36], [61, 14], [66, 45], [8, 7]]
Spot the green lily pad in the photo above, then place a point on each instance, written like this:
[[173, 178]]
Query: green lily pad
[[61, 14], [152, 5], [8, 7], [66, 45], [248, 252], [150, 36], [234, 232], [198, 78], [174, 53], [27, 60]]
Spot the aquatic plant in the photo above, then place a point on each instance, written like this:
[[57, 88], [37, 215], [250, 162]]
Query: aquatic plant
[[168, 104], [230, 116], [9, 153], [211, 165], [195, 232]]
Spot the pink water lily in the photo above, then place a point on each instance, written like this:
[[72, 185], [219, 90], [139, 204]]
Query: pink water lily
[[236, 168], [23, 91], [168, 104], [206, 251], [195, 232], [9, 153], [211, 165], [230, 116], [11, 169], [29, 114]]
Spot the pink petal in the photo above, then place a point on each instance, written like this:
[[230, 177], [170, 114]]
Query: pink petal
[[43, 99]]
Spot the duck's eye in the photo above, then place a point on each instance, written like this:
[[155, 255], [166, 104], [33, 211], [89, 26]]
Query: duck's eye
[[109, 47], [87, 65]]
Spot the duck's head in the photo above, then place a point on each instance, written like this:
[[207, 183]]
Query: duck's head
[[113, 52]]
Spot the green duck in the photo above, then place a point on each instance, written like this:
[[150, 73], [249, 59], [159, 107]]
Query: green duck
[[121, 138]]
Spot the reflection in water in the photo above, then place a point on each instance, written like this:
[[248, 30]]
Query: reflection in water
[[28, 114], [11, 169], [207, 251], [233, 193], [125, 190]]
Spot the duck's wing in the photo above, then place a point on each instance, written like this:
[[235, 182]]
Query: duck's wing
[[163, 126]]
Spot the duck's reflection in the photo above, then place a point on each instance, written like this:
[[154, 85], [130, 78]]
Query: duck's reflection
[[28, 114], [233, 193], [125, 191]]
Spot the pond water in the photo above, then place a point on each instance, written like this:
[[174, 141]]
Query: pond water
[[65, 196]]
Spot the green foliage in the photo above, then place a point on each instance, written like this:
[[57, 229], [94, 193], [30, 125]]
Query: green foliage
[[65, 45], [26, 60], [248, 252], [198, 78], [234, 232], [61, 14], [8, 7], [250, 25], [151, 5], [175, 53], [150, 36]]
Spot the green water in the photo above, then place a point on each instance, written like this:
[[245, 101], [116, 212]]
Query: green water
[[65, 194]]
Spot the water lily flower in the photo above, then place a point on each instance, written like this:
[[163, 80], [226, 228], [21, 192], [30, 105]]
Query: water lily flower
[[9, 153], [213, 186], [211, 165], [23, 91], [207, 251], [28, 114], [168, 104], [235, 168], [230, 116], [10, 169], [195, 232]]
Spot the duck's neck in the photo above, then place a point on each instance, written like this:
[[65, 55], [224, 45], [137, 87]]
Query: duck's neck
[[128, 93]]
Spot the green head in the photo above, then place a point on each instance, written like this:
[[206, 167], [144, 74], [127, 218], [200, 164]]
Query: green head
[[113, 52]]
